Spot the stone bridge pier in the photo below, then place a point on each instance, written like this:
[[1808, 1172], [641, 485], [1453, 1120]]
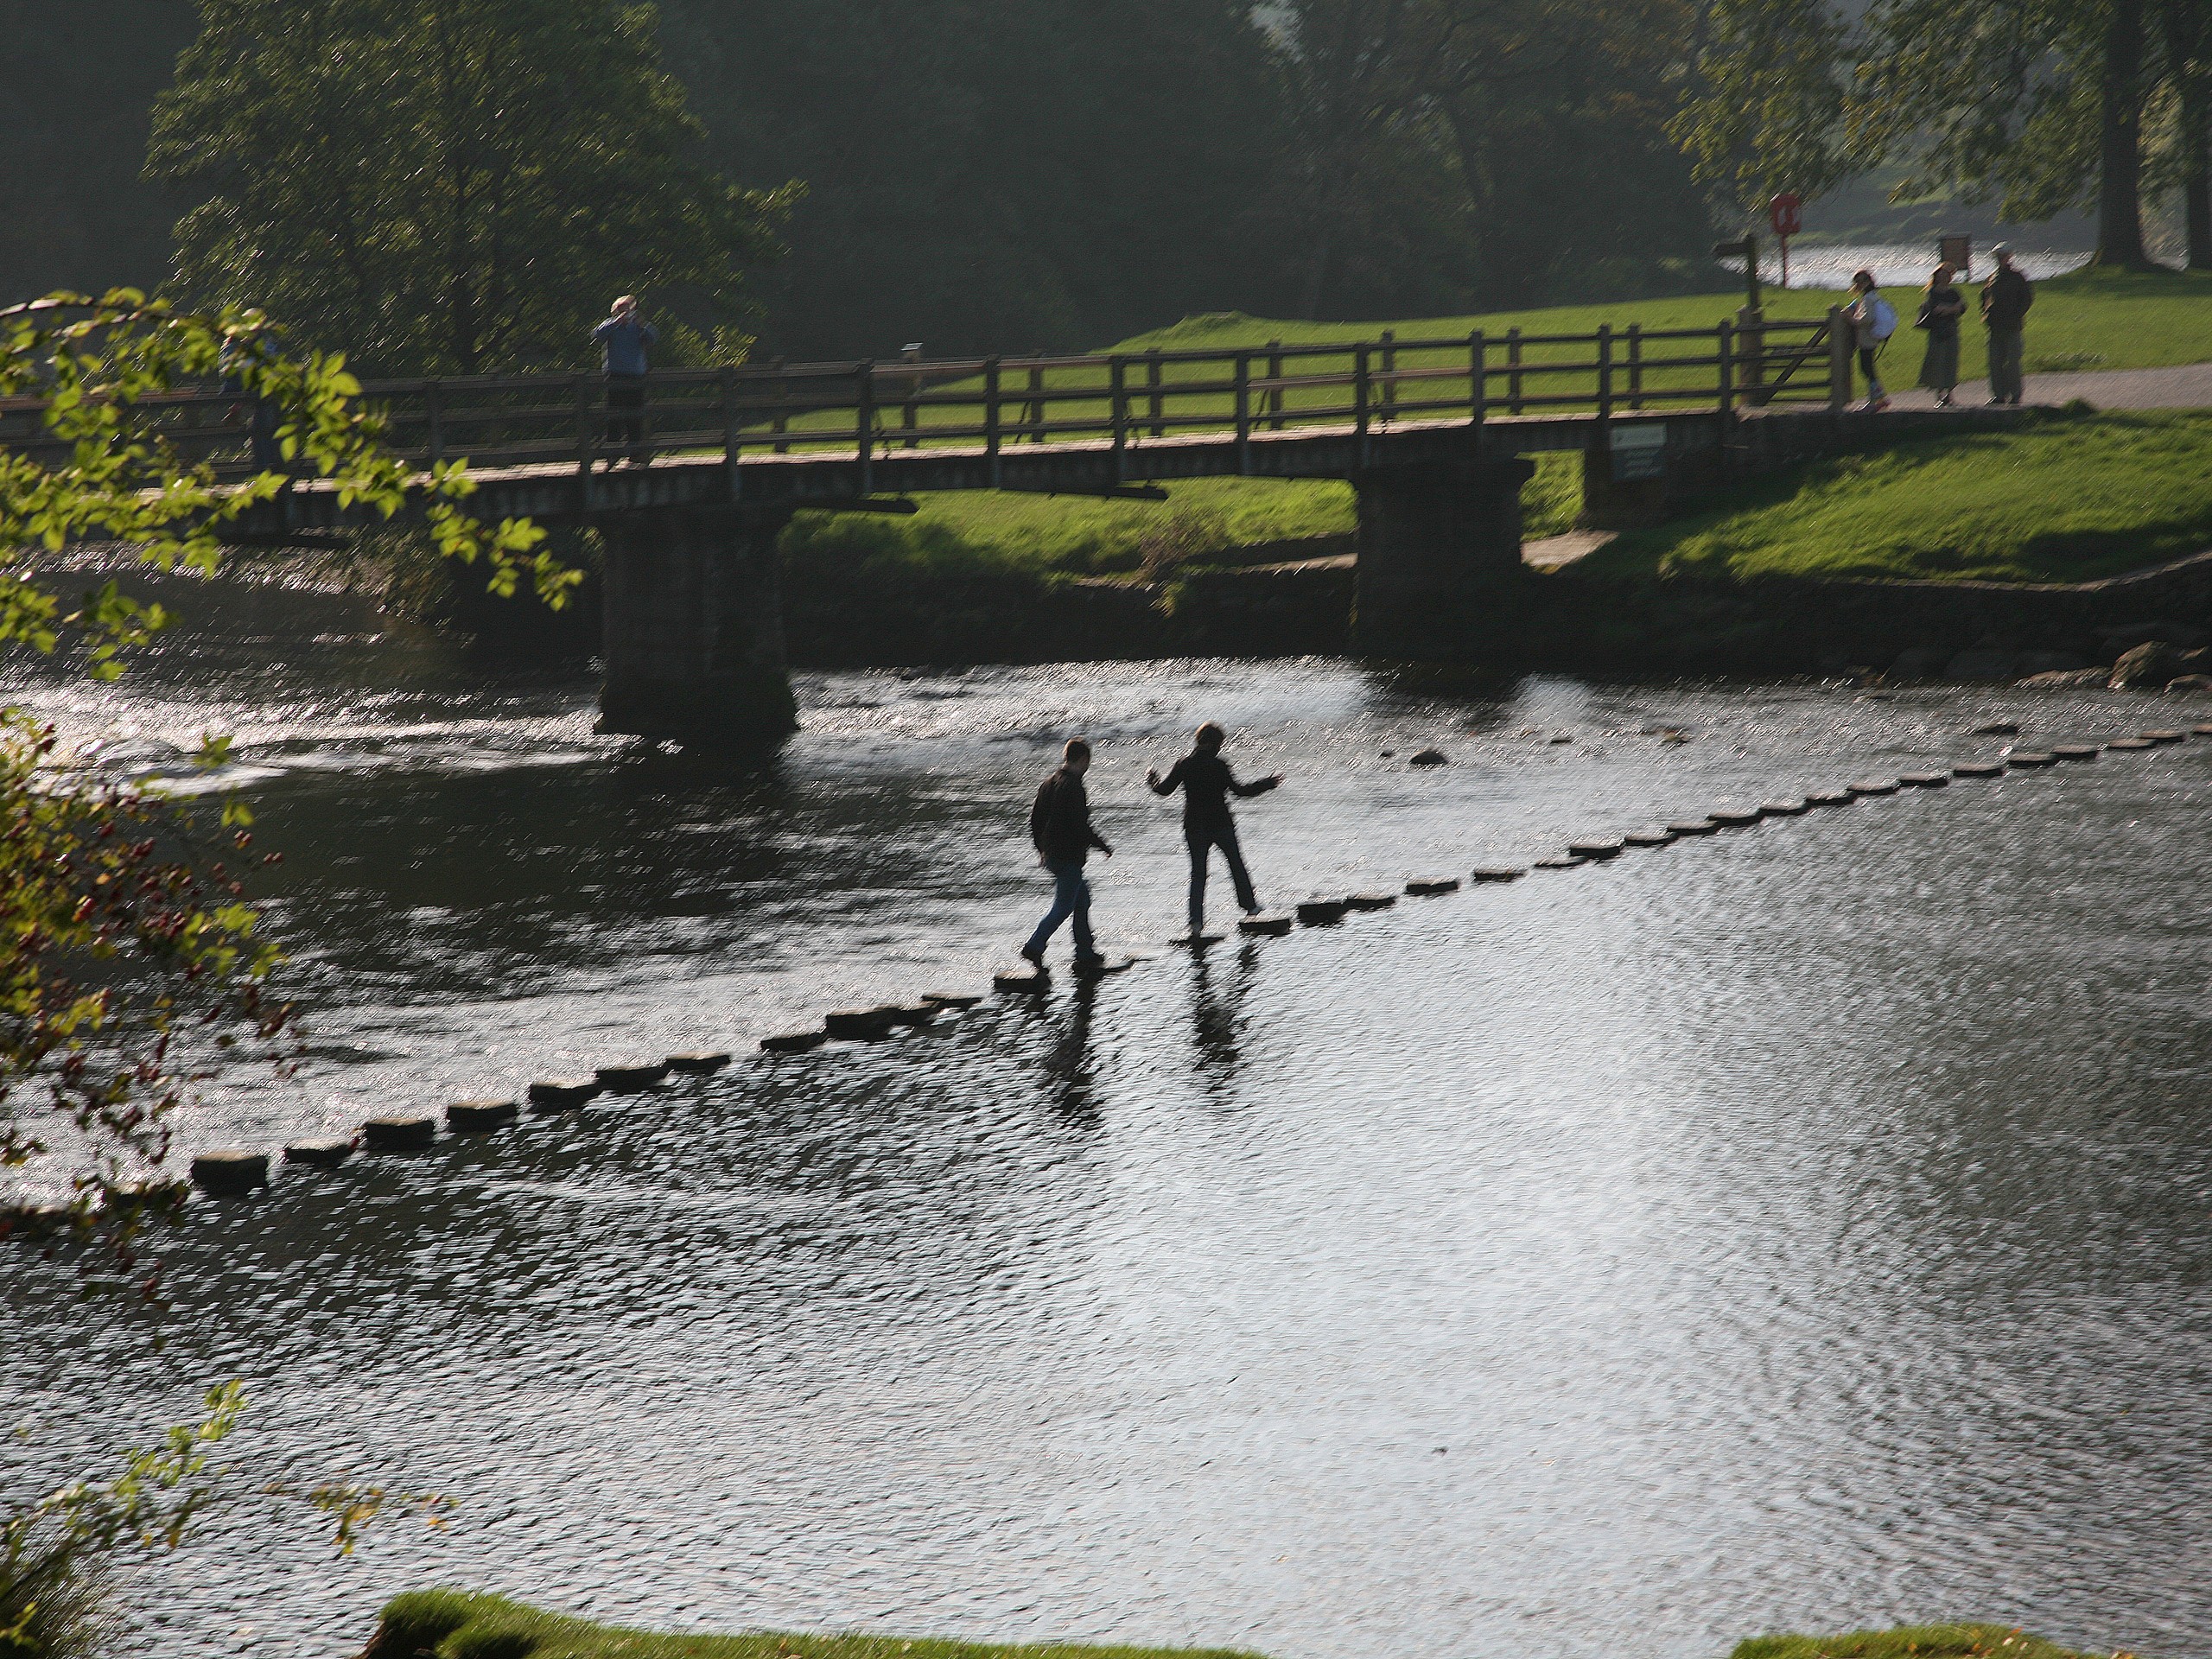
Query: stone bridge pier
[[694, 626], [1440, 556]]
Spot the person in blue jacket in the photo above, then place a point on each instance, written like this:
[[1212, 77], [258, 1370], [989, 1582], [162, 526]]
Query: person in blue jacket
[[623, 340]]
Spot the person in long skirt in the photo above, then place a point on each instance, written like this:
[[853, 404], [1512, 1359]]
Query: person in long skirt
[[1942, 305]]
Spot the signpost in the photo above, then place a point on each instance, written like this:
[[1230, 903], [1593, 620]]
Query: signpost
[[1638, 452], [1786, 212]]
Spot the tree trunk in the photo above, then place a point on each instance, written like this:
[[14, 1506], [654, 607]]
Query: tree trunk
[[2119, 140]]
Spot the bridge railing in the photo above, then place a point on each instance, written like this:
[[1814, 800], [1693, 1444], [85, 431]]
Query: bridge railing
[[995, 406]]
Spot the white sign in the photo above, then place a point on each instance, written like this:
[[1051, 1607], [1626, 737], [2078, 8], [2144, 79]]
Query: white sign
[[1639, 451]]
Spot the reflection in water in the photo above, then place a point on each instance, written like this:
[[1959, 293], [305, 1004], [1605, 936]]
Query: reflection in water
[[1804, 1227]]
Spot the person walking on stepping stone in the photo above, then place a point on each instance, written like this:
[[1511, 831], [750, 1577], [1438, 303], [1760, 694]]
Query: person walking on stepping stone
[[1207, 782], [1060, 822]]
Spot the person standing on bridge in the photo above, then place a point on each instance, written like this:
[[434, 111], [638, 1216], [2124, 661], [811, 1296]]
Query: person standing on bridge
[[2006, 298], [1207, 782], [623, 339], [1060, 822]]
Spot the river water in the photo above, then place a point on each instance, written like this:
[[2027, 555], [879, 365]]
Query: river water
[[1808, 1227]]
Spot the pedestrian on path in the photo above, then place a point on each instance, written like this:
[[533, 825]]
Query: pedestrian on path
[[2006, 298], [1060, 822], [1874, 320], [623, 339], [1207, 782], [1942, 305]]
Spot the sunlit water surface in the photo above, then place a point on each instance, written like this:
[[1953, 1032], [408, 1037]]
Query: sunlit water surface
[[1804, 1227]]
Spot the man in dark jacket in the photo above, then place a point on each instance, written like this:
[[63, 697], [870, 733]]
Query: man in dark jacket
[[1207, 782], [2006, 298], [1060, 822]]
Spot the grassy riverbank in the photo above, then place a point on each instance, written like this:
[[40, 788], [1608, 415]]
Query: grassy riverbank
[[445, 1624], [2070, 499]]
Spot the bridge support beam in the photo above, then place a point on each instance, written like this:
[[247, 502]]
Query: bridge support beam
[[694, 627], [1440, 557]]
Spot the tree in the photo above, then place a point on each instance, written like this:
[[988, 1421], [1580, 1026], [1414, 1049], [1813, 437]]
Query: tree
[[1766, 109], [451, 186]]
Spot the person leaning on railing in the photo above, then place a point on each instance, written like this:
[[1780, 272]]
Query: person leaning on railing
[[622, 339]]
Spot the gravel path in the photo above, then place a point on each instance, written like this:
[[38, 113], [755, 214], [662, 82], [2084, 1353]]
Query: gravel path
[[2188, 386]]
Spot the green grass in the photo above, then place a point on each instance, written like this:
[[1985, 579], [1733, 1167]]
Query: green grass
[[452, 1625], [1913, 1641], [2068, 498]]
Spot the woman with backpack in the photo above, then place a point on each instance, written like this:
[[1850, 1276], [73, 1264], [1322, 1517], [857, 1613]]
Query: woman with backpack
[[1874, 320], [1940, 307]]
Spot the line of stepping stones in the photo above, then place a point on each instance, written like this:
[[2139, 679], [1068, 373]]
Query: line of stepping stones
[[235, 1171]]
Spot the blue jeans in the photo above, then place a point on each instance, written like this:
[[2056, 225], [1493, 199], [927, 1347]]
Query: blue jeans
[[1071, 896], [1202, 843]]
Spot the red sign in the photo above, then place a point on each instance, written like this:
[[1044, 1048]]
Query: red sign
[[1787, 213]]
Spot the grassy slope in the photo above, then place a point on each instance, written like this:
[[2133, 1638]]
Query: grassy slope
[[1913, 1641], [2068, 499], [2090, 320]]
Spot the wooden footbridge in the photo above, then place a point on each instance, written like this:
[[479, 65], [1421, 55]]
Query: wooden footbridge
[[1433, 432]]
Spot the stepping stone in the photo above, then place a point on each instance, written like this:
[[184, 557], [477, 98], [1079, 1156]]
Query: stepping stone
[[951, 999], [1024, 978], [1830, 797], [699, 1065], [562, 1094], [913, 1013], [2201, 731], [2076, 751], [2032, 759], [1926, 780], [1999, 728], [1430, 757], [1562, 861], [1789, 809], [407, 1134], [477, 1116], [1692, 826], [229, 1170], [793, 1042], [324, 1152], [1599, 847], [2164, 736], [1979, 769], [1499, 873], [1269, 923], [857, 1024], [1873, 786], [1374, 900], [1321, 912], [1429, 887], [2129, 744], [1735, 818], [633, 1078], [1648, 837], [35, 1220]]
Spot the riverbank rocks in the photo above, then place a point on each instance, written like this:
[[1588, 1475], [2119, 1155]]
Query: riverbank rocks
[[480, 1117], [793, 1042], [1926, 780], [324, 1151], [2189, 683], [1024, 978], [2066, 679], [1321, 912], [1873, 786], [407, 1133], [633, 1077], [857, 1024], [1692, 826], [2130, 745], [1499, 873], [229, 1172], [2150, 664], [700, 1064], [1266, 923], [1979, 769], [2031, 760], [562, 1094], [1792, 807], [29, 1220], [951, 999], [1429, 758], [1597, 847], [1371, 900], [1429, 887]]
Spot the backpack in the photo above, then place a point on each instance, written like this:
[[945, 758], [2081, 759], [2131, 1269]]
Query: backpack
[[1881, 317]]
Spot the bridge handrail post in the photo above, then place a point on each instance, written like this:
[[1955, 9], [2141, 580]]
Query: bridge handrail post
[[992, 416], [1838, 362], [1360, 392], [1636, 365], [1273, 398], [1117, 414], [1724, 349], [1152, 380], [782, 421], [433, 411], [1033, 413], [732, 448], [1605, 372], [1390, 374], [864, 423], [584, 430], [1244, 384], [1513, 382], [1478, 376]]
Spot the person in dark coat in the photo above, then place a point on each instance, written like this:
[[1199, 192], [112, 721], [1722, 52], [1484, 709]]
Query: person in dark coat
[[2006, 298], [623, 341], [1207, 782], [1060, 822], [1940, 307]]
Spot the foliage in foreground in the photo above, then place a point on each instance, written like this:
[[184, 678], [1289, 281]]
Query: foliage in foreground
[[2065, 500], [452, 1625], [1911, 1642]]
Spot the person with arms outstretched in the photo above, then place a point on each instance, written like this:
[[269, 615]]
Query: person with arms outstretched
[[1207, 782], [1060, 822]]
